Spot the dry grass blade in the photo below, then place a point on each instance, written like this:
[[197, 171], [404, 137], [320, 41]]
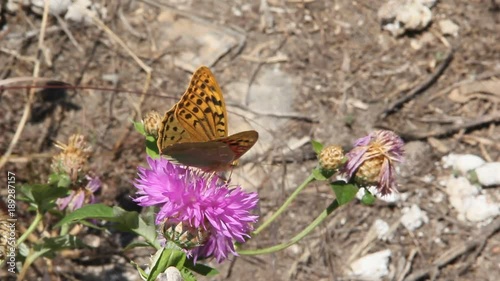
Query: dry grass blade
[[27, 107], [13, 80]]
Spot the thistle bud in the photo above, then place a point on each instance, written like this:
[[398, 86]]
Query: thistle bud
[[331, 157], [152, 122]]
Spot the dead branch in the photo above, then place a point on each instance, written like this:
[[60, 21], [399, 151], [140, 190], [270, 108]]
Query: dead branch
[[457, 251], [420, 88]]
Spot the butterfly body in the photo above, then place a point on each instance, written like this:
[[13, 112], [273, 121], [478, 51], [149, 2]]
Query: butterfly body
[[194, 131]]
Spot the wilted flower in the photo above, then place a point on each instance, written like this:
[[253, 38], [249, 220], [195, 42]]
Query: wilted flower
[[73, 158], [80, 195], [199, 205], [372, 160], [331, 157]]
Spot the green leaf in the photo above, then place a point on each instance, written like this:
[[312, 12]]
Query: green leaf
[[201, 269], [43, 196], [345, 192], [125, 220], [151, 147], [61, 242], [64, 181], [59, 180], [93, 211], [318, 175], [131, 221], [187, 275], [136, 244], [23, 249], [472, 176], [50, 246], [317, 146], [321, 174], [368, 199], [165, 258], [139, 127]]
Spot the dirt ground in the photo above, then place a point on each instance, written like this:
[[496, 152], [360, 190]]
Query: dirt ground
[[345, 72]]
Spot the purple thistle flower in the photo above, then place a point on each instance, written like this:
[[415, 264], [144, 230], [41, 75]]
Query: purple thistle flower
[[80, 196], [197, 200], [373, 158]]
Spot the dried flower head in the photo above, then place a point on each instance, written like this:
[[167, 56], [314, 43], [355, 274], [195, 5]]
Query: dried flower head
[[373, 159], [152, 122], [331, 157], [80, 195], [198, 203], [73, 157]]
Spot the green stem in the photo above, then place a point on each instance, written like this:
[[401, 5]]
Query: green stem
[[284, 206], [34, 224], [332, 207]]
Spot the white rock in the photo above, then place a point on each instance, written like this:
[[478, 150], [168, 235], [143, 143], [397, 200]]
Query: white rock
[[480, 208], [236, 12], [413, 217], [488, 174], [448, 27], [469, 201], [459, 188], [371, 267], [462, 162], [389, 198], [82, 10], [399, 16], [381, 227], [171, 274], [428, 3], [437, 197]]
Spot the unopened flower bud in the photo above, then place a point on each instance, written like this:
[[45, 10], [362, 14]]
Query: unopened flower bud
[[331, 157], [152, 122]]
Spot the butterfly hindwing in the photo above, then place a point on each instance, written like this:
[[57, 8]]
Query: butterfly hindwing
[[214, 155], [208, 156], [240, 142]]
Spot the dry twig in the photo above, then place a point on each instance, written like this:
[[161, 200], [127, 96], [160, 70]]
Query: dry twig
[[440, 132], [421, 88], [31, 97], [457, 251]]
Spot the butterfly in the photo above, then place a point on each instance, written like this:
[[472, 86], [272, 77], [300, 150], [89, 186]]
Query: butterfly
[[194, 131]]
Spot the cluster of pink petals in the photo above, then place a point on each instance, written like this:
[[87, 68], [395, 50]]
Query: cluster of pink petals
[[198, 200], [80, 196], [380, 143]]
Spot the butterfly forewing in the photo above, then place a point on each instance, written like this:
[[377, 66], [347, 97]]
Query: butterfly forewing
[[170, 131], [202, 111], [194, 131]]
